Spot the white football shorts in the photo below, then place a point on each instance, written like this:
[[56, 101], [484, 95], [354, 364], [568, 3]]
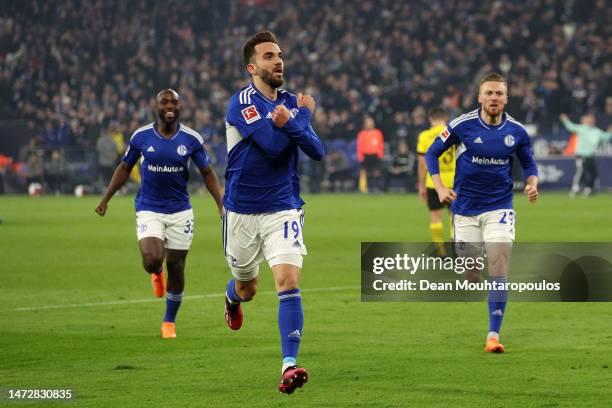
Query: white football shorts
[[491, 226], [175, 230], [276, 237]]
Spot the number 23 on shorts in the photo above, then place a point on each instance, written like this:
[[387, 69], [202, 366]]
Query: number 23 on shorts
[[507, 218]]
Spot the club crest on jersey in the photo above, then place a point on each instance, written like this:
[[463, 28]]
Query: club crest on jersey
[[509, 140], [181, 150], [250, 114], [444, 135]]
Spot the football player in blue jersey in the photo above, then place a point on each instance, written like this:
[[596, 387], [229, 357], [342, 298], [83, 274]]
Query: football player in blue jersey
[[486, 140], [164, 217], [266, 128]]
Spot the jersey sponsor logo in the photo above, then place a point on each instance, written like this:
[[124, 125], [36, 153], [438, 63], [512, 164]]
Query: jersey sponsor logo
[[489, 161], [444, 135], [151, 149], [478, 140], [250, 114], [509, 140], [181, 150], [269, 115], [164, 169]]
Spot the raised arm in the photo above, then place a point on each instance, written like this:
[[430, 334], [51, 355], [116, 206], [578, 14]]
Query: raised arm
[[569, 125]]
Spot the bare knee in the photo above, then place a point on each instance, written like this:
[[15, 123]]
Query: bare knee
[[151, 262], [287, 282], [177, 266], [286, 277], [152, 250]]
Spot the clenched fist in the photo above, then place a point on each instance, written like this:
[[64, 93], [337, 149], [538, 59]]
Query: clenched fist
[[307, 101]]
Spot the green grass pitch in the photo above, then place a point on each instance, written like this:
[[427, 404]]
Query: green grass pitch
[[76, 311]]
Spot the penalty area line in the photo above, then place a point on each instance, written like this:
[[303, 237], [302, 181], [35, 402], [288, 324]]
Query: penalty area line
[[151, 300]]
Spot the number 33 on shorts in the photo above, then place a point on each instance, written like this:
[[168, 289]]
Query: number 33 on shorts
[[189, 227]]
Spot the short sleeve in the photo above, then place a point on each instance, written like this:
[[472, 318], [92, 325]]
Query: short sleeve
[[422, 144], [132, 154], [200, 156]]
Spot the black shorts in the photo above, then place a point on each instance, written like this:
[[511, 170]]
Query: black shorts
[[371, 162], [433, 201]]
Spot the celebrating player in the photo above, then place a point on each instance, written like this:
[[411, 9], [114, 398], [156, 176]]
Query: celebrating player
[[427, 192], [164, 217], [486, 140], [266, 128]]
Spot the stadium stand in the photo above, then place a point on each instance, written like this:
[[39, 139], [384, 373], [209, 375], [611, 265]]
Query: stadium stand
[[70, 69]]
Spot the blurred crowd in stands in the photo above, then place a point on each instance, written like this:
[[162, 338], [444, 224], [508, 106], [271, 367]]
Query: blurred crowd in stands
[[83, 74]]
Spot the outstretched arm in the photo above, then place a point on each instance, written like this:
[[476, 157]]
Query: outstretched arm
[[120, 176]]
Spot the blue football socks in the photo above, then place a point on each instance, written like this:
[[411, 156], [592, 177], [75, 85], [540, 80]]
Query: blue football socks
[[290, 324], [230, 292], [497, 305], [173, 302]]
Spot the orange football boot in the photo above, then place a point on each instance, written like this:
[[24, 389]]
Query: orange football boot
[[494, 346], [168, 330], [158, 281]]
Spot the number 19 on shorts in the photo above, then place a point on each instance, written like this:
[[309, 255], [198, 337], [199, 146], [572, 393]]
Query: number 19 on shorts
[[291, 228]]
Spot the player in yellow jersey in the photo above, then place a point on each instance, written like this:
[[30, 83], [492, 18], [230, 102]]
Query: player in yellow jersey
[[437, 119]]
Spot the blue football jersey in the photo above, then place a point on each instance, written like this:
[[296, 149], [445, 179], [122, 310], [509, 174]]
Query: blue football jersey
[[483, 179], [261, 174], [165, 167]]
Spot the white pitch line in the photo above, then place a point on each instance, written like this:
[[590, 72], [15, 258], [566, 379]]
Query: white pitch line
[[150, 300]]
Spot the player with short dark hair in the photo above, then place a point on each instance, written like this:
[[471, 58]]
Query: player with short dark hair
[[486, 140], [164, 217], [437, 119], [266, 128]]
